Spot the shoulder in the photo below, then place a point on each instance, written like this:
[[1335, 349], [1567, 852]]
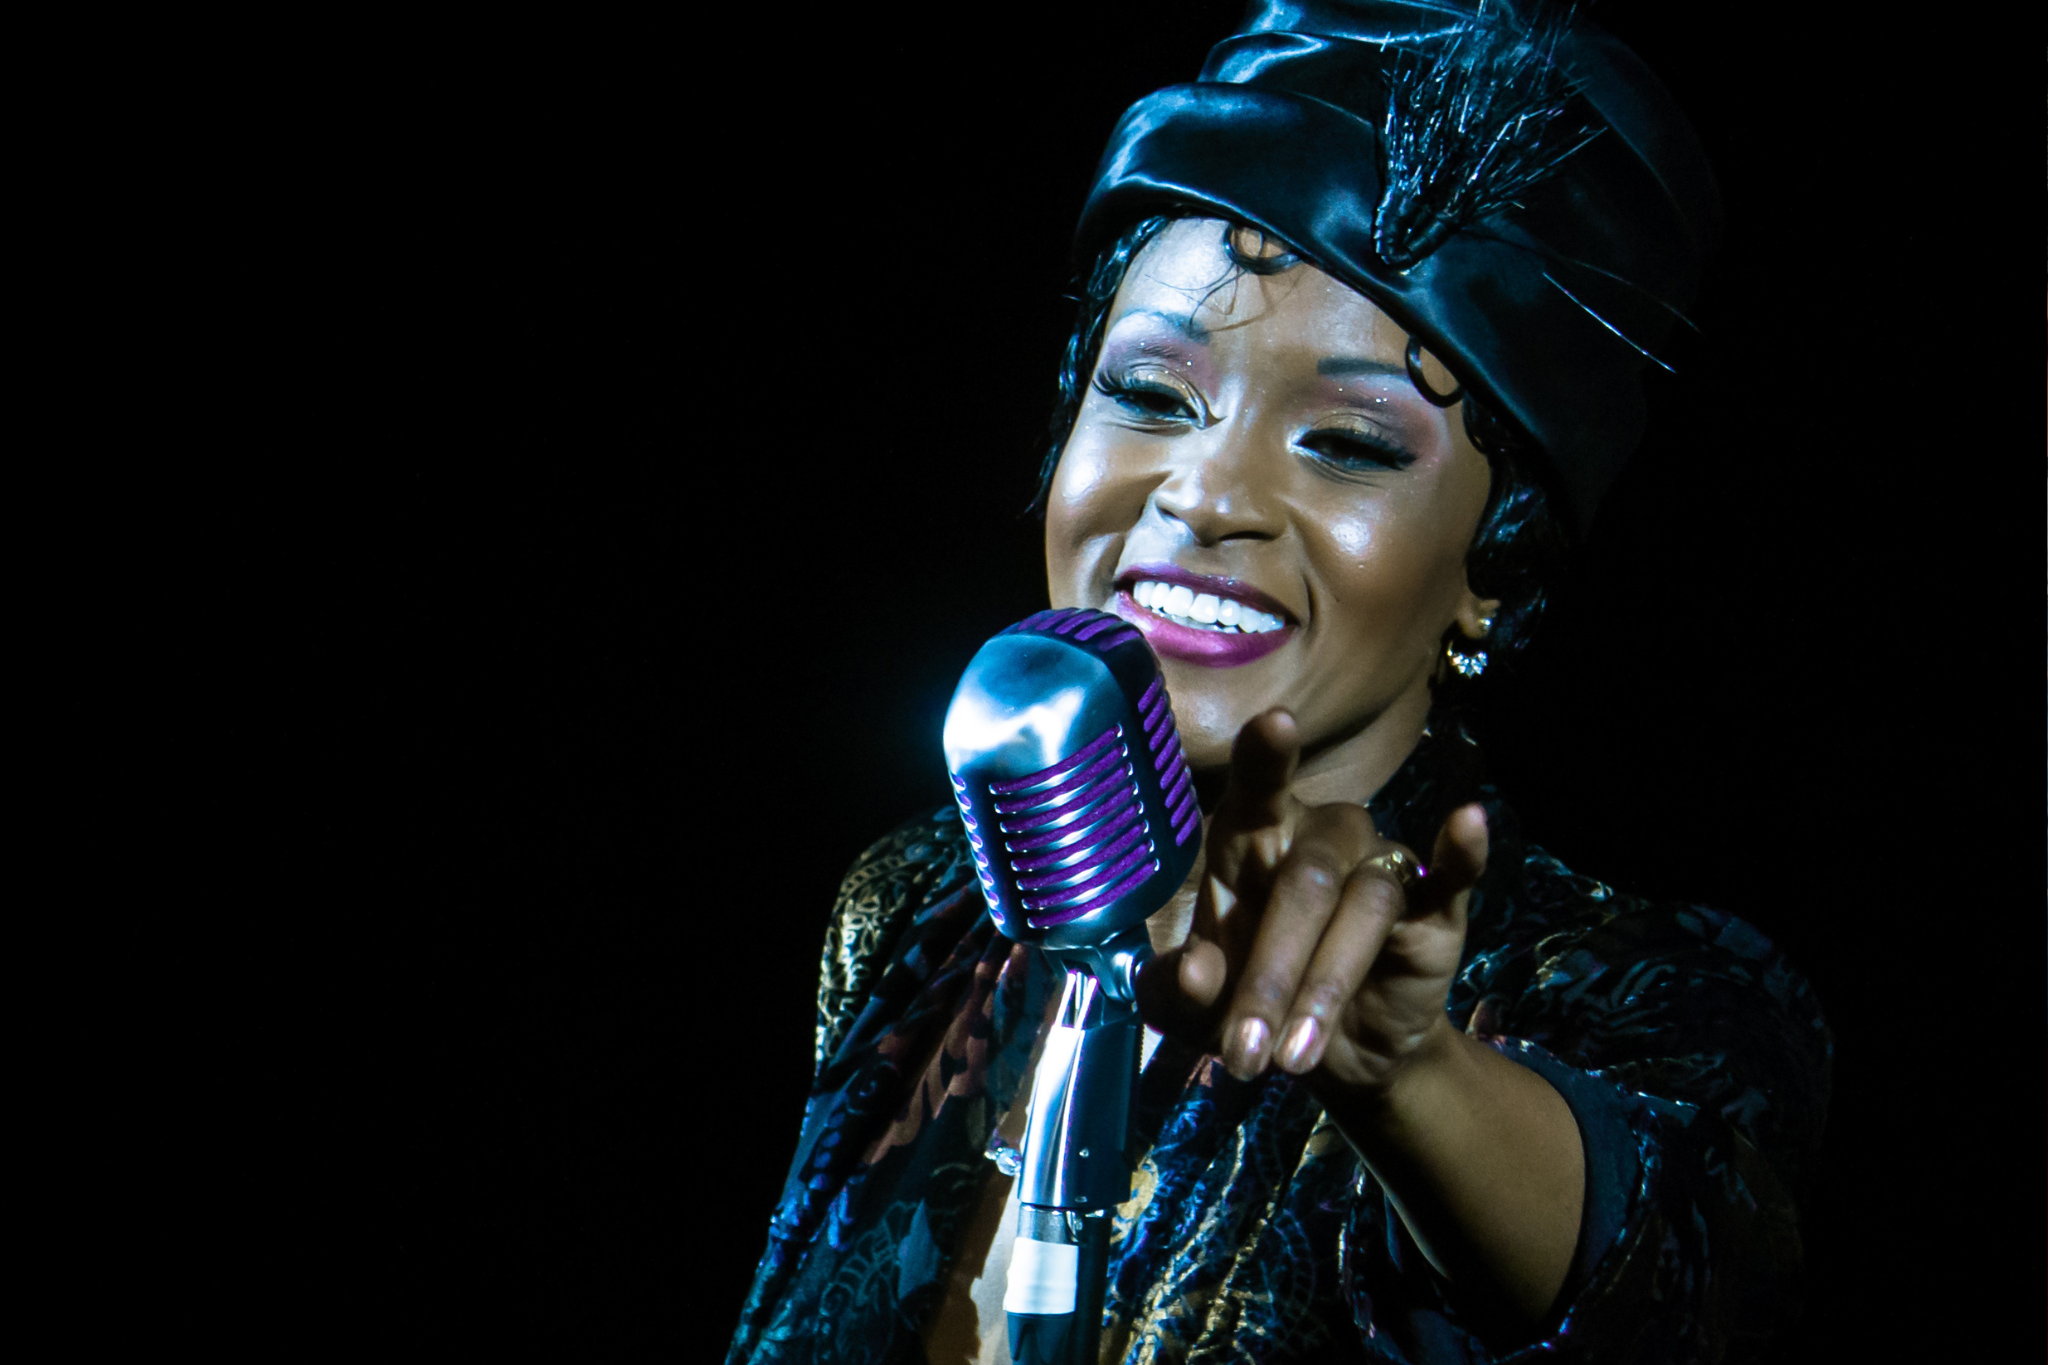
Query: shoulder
[[920, 860], [1684, 1003], [1610, 953], [1538, 924], [918, 854]]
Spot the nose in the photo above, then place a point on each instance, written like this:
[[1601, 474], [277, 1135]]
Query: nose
[[1223, 486]]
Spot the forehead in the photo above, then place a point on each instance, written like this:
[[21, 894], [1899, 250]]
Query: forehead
[[1187, 272]]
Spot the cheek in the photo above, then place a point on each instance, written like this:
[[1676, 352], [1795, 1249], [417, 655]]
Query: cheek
[[1094, 502], [1350, 539], [1080, 483], [1390, 574]]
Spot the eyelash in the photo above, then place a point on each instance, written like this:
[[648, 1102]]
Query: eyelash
[[1133, 396], [1355, 451], [1368, 450]]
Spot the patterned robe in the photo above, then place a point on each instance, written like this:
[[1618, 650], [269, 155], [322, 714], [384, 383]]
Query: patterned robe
[[1694, 1058]]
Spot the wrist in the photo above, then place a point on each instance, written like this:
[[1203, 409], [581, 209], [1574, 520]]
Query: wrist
[[1389, 1100]]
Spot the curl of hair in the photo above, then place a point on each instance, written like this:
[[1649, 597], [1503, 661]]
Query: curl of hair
[[1519, 544]]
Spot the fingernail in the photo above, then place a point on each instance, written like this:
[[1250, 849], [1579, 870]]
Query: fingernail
[[1251, 1046], [1299, 1044]]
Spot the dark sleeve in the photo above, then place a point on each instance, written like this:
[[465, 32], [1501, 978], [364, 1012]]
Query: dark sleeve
[[1613, 1168], [1696, 1062], [888, 890]]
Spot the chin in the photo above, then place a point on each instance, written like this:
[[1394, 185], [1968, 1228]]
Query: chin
[[1207, 714]]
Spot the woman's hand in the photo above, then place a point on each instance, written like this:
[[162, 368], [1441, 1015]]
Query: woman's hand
[[1311, 946]]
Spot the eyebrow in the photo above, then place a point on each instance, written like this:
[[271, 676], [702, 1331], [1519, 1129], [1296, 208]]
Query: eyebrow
[[1183, 323], [1344, 366]]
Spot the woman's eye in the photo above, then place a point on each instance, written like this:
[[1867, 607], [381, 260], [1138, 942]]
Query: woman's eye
[[1353, 451], [1151, 400]]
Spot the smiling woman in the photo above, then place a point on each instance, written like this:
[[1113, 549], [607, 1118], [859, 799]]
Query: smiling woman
[[1381, 410], [1264, 447], [1359, 338]]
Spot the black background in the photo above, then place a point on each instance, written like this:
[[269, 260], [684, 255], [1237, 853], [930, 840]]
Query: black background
[[664, 403]]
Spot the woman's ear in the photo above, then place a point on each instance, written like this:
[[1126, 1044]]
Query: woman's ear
[[1475, 615]]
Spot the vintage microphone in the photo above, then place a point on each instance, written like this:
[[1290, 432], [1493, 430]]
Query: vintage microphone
[[1081, 814]]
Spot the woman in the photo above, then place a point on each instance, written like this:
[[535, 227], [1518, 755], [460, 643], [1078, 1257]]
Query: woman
[[1360, 338]]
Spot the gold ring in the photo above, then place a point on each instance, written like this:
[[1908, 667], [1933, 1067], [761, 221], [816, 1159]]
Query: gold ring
[[1397, 863]]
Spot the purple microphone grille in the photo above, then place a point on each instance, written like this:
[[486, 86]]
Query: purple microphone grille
[[1075, 833], [1058, 770], [1036, 808], [1175, 781], [1096, 629], [974, 839]]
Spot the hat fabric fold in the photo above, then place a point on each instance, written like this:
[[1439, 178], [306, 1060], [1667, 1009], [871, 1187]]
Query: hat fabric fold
[[1545, 307]]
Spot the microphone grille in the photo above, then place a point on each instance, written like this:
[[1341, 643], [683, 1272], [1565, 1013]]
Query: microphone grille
[[1176, 782], [1100, 631], [1071, 850]]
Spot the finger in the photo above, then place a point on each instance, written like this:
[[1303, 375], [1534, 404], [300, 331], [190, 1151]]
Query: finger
[[1457, 864], [1253, 824], [1305, 888], [1262, 762], [1181, 992], [1372, 904]]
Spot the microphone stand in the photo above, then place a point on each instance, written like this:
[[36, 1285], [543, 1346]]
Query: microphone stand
[[1076, 1164]]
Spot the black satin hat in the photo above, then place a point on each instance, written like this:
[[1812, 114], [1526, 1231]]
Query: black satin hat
[[1546, 306]]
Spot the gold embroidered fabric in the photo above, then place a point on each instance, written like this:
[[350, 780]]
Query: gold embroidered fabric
[[876, 900]]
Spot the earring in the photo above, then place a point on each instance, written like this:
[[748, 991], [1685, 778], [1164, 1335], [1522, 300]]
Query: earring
[[1468, 665]]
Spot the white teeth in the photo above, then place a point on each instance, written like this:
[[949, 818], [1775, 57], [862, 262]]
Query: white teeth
[[1207, 609]]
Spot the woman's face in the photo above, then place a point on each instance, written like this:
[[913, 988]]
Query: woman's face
[[1254, 482]]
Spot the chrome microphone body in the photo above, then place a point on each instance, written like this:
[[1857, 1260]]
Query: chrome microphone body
[[1080, 813]]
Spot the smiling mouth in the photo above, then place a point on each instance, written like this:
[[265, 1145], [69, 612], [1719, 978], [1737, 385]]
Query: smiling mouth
[[1199, 618], [1208, 611]]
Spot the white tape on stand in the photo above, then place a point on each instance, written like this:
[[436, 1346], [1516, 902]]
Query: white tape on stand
[[1043, 1276]]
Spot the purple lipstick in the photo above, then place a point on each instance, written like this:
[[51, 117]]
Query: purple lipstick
[[1199, 618]]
